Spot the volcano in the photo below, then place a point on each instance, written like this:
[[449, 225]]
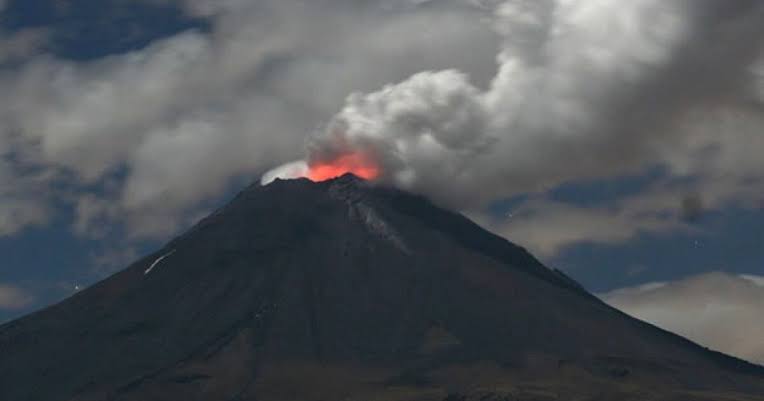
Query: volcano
[[345, 290]]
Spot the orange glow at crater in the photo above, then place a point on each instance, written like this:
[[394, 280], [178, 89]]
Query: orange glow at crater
[[355, 163]]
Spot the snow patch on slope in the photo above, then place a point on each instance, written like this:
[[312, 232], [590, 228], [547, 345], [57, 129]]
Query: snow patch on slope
[[156, 262]]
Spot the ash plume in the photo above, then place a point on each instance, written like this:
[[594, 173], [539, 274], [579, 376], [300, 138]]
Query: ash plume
[[584, 89]]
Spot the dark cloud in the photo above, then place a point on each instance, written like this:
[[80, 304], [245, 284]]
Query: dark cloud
[[692, 208]]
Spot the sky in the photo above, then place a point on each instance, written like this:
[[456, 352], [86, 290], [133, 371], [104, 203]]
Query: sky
[[618, 141]]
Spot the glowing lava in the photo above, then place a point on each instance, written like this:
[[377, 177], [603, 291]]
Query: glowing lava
[[354, 163]]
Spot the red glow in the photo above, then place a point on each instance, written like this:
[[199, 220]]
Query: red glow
[[354, 163]]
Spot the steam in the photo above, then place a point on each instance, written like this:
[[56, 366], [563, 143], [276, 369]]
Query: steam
[[583, 89], [288, 171]]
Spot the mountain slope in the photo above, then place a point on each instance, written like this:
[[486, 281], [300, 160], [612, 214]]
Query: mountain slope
[[343, 290]]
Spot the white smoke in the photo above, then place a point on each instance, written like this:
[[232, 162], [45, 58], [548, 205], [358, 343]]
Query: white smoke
[[288, 171], [434, 121], [584, 88]]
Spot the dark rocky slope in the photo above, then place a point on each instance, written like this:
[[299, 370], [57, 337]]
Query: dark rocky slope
[[345, 291]]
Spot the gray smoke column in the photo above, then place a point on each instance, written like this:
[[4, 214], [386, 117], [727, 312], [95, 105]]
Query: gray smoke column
[[584, 89]]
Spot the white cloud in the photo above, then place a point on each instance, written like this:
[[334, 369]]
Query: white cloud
[[13, 298], [717, 310]]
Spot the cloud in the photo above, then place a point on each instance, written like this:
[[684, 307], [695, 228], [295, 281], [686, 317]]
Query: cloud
[[110, 260], [717, 310], [16, 214], [548, 227], [23, 202], [13, 298], [21, 45], [665, 206]]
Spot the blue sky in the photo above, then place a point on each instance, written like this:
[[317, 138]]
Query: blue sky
[[89, 29], [129, 120]]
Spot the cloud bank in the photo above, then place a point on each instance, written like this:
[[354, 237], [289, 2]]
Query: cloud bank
[[717, 310]]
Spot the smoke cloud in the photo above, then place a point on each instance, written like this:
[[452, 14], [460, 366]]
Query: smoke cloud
[[584, 89]]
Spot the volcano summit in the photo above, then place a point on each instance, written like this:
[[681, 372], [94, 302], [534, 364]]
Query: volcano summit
[[342, 290]]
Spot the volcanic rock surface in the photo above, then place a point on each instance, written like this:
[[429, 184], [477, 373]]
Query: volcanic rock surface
[[343, 290]]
